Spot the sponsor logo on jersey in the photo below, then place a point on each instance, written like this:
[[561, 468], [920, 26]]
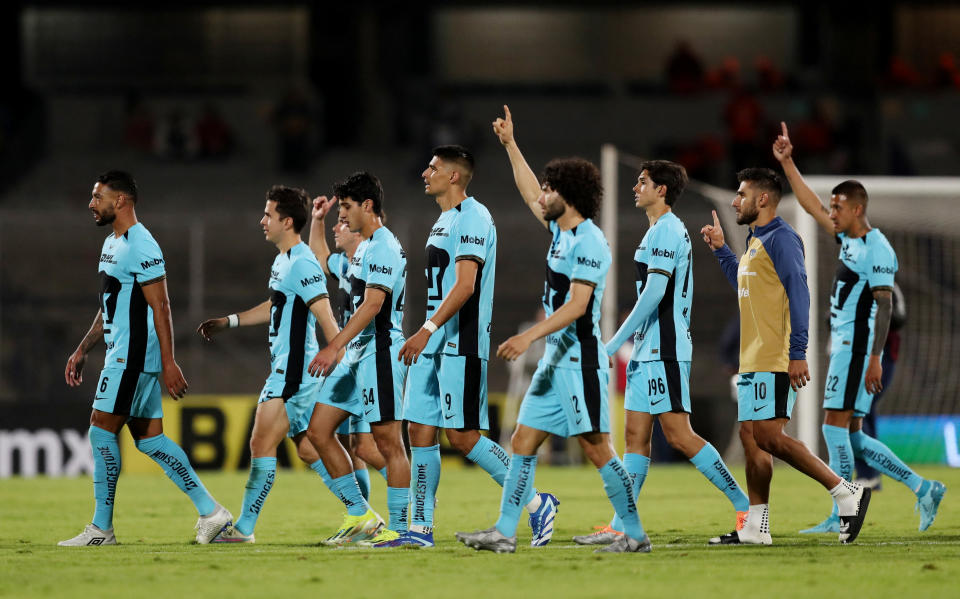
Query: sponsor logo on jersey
[[743, 292], [472, 239], [306, 282], [884, 270], [150, 263], [592, 263], [108, 258], [384, 270], [439, 232], [661, 253]]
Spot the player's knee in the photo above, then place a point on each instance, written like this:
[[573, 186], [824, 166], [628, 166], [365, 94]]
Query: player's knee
[[768, 442], [463, 441]]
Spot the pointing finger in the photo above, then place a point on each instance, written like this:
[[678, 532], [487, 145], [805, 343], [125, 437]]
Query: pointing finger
[[716, 219], [783, 128], [506, 112]]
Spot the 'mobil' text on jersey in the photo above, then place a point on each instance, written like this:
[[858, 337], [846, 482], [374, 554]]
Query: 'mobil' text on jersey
[[381, 263], [867, 264]]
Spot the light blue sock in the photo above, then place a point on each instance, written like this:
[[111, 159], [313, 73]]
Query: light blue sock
[[711, 465], [840, 450], [398, 502], [106, 469], [878, 455], [176, 465], [320, 469], [348, 490], [637, 466], [424, 480], [491, 457], [517, 492], [363, 480], [619, 488], [262, 473], [383, 472]]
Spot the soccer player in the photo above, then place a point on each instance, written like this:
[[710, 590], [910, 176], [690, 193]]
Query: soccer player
[[368, 382], [568, 393], [771, 284], [354, 433], [861, 304], [135, 322], [447, 381], [298, 301], [658, 375]]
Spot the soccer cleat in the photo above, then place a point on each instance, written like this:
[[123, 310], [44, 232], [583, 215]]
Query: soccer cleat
[[385, 535], [356, 528], [625, 544], [410, 539], [541, 521], [488, 540], [928, 503], [742, 537], [741, 519], [91, 536], [230, 534], [850, 525], [831, 524], [210, 526], [604, 535]]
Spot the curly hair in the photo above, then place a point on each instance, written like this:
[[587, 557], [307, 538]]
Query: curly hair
[[578, 181]]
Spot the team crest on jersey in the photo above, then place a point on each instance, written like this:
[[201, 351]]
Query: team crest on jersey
[[753, 253]]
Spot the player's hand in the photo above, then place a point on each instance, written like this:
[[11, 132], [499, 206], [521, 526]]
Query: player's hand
[[322, 206], [413, 347], [174, 382], [799, 374], [713, 234], [873, 376], [208, 328], [324, 362], [513, 348], [74, 370], [503, 127], [782, 148]]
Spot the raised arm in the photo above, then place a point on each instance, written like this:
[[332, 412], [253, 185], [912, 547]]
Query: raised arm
[[156, 295], [318, 231], [574, 308], [74, 370], [713, 237], [809, 201], [259, 314], [523, 175]]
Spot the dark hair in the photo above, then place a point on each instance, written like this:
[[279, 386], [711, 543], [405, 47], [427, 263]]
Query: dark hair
[[854, 190], [120, 181], [361, 186], [459, 155], [764, 179], [578, 181], [671, 174], [291, 202]]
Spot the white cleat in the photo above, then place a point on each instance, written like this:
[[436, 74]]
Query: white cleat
[[209, 526], [230, 534], [91, 536]]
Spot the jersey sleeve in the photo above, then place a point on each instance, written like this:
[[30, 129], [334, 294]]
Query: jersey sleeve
[[470, 236], [381, 267], [664, 249], [590, 261], [884, 267], [786, 251], [335, 264], [307, 281], [147, 264]]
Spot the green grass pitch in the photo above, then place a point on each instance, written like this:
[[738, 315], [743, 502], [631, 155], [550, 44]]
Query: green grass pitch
[[679, 509]]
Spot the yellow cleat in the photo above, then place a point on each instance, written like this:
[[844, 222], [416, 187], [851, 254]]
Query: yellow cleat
[[383, 536], [356, 528]]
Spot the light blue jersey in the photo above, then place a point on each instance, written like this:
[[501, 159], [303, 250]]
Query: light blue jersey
[[465, 232], [338, 265], [867, 264], [296, 281], [127, 263], [378, 262], [665, 249], [580, 255]]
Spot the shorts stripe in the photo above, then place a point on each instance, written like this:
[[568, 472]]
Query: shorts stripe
[[674, 389], [126, 391], [781, 383], [471, 393], [592, 396], [854, 380], [385, 402]]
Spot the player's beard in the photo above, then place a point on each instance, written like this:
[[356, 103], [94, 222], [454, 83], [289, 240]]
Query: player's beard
[[747, 215], [553, 211], [103, 220]]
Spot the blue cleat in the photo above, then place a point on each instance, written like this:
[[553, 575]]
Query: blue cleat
[[409, 539], [830, 525], [928, 502], [541, 521]]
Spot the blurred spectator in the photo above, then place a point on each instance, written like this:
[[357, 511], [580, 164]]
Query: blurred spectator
[[175, 138], [725, 76], [901, 74], [815, 134], [947, 74], [769, 77], [214, 138], [744, 117], [684, 70], [294, 120], [138, 126]]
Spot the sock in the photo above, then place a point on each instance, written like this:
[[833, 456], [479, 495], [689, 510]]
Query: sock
[[619, 488], [383, 472], [262, 473], [711, 465], [844, 495], [348, 490], [363, 481], [840, 450], [162, 450], [491, 457], [883, 460], [398, 501], [106, 469], [424, 480], [320, 469], [637, 466], [758, 517], [517, 492]]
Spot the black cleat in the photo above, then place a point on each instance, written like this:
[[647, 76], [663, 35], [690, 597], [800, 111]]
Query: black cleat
[[850, 525]]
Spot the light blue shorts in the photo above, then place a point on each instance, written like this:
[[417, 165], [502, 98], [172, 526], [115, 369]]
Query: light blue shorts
[[764, 396], [299, 405], [656, 387], [845, 388], [567, 401], [371, 388], [353, 425], [447, 391], [129, 392]]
